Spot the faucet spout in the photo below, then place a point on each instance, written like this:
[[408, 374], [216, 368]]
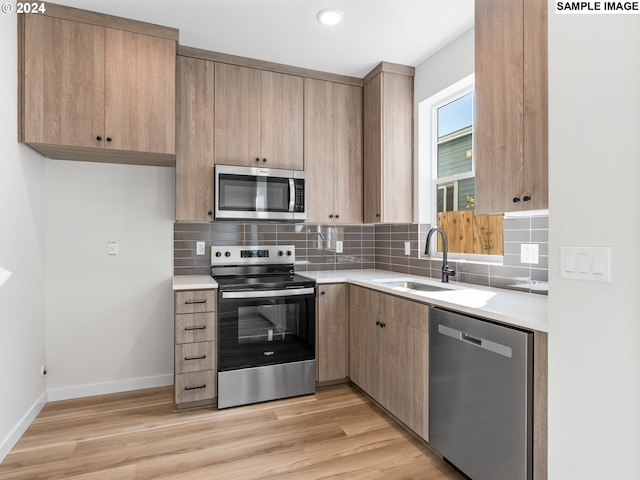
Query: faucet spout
[[446, 271]]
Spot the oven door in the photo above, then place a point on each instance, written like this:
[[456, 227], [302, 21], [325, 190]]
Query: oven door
[[254, 193], [265, 327]]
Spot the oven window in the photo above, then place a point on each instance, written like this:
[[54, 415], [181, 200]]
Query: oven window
[[259, 332]]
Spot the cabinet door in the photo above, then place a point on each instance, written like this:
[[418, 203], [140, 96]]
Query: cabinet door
[[194, 148], [347, 153], [373, 150], [281, 126], [499, 113], [319, 149], [332, 332], [140, 92], [237, 115], [363, 350], [63, 85]]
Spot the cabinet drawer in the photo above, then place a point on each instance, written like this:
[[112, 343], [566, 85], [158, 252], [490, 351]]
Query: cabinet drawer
[[192, 357], [194, 387], [195, 301], [195, 327]]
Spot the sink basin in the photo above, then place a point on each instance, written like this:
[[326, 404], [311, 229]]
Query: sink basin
[[412, 285]]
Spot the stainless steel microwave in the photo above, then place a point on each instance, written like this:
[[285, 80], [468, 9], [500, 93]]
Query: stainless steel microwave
[[253, 193]]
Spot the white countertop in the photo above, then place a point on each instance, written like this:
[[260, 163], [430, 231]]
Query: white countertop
[[519, 309], [193, 282]]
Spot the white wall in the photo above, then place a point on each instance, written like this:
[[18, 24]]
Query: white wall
[[448, 66], [109, 318], [22, 313], [594, 169]]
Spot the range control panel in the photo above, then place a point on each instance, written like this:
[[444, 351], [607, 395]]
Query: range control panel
[[252, 255]]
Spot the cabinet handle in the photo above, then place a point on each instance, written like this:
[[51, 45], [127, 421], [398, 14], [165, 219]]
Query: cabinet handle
[[196, 388], [198, 357], [209, 213], [109, 139], [331, 216], [257, 159], [194, 302], [99, 138], [377, 215], [337, 216], [264, 160], [322, 292], [516, 199], [526, 198], [200, 327]]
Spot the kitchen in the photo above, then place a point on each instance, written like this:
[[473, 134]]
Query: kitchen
[[53, 244]]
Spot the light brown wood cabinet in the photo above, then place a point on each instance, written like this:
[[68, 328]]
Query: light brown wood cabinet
[[511, 87], [333, 152], [389, 354], [258, 118], [88, 91], [331, 348], [195, 348], [388, 144], [194, 147]]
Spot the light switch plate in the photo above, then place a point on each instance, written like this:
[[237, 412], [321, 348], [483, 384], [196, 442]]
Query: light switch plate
[[407, 248], [338, 246], [199, 248], [586, 263], [112, 248]]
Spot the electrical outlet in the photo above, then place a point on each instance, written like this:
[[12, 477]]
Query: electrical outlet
[[407, 248], [338, 246], [199, 248], [112, 248], [530, 253]]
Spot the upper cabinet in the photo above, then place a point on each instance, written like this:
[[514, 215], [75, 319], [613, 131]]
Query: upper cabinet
[[258, 118], [511, 130], [388, 144], [92, 92], [333, 151]]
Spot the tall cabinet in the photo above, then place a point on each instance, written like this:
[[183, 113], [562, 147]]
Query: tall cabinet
[[511, 126], [388, 144], [333, 151], [96, 87]]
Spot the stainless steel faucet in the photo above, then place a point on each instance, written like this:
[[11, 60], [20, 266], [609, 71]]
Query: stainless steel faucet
[[446, 271]]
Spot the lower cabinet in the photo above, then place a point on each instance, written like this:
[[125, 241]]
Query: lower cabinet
[[331, 338], [195, 348], [389, 354]]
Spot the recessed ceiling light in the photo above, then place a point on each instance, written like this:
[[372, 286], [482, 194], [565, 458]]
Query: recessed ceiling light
[[330, 16]]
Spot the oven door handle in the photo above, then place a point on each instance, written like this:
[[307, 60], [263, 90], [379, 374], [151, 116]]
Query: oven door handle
[[293, 292]]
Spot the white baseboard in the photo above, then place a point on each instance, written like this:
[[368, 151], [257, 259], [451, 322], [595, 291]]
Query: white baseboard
[[79, 391], [12, 438]]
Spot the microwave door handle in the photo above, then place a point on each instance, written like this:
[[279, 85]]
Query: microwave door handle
[[292, 194]]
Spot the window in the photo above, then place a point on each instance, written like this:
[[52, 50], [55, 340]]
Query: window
[[447, 172]]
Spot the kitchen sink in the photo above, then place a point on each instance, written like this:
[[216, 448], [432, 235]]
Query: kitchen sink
[[413, 285]]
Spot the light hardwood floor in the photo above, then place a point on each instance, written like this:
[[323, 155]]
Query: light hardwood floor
[[335, 434]]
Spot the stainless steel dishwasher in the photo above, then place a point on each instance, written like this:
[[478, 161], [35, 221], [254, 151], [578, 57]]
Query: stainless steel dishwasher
[[480, 396]]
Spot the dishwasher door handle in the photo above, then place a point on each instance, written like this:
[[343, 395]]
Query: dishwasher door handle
[[483, 343]]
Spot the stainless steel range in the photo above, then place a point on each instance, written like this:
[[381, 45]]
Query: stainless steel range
[[266, 325]]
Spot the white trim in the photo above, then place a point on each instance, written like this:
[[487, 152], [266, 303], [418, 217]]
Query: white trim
[[12, 438], [88, 390], [527, 213]]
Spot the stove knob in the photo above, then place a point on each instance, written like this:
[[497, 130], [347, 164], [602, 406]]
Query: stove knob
[[218, 254], [227, 254], [280, 253], [288, 253]]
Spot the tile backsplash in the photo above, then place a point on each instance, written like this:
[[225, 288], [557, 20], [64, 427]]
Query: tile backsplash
[[370, 246]]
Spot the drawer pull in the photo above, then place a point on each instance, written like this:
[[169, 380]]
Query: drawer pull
[[199, 357], [196, 388], [201, 327], [195, 302]]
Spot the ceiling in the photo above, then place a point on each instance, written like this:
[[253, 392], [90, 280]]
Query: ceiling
[[286, 31]]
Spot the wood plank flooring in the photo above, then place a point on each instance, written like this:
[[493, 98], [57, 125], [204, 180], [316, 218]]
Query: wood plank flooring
[[335, 434]]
